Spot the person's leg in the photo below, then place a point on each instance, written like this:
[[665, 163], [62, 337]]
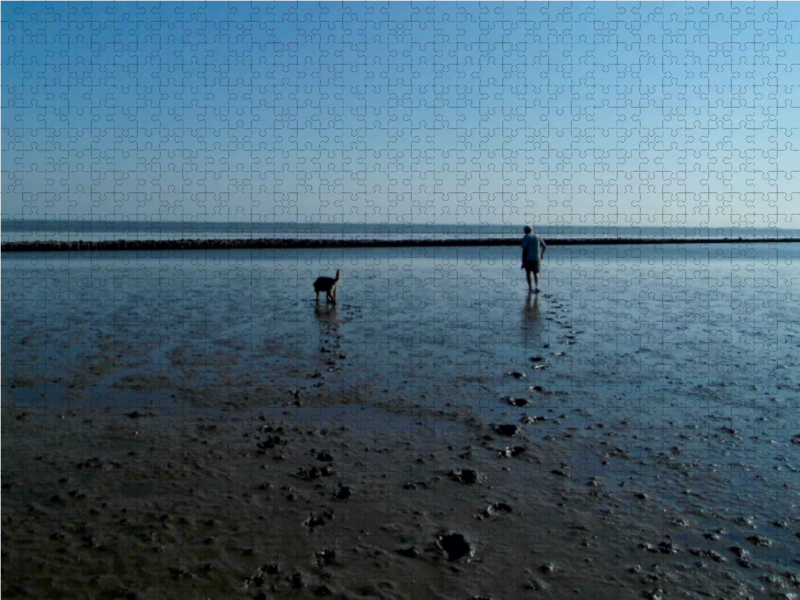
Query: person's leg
[[536, 277], [528, 277]]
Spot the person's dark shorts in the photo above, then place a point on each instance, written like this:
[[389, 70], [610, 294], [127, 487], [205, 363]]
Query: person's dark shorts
[[533, 265]]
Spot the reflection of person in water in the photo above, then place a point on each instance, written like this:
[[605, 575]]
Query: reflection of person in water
[[531, 329], [531, 312]]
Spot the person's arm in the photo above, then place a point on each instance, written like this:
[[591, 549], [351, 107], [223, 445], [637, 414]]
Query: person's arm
[[543, 248], [524, 249]]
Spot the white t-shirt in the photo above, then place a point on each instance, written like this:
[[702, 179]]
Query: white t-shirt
[[532, 243]]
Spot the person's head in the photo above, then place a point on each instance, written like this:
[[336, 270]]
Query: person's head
[[528, 229]]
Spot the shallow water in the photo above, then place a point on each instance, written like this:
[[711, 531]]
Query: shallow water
[[687, 354]]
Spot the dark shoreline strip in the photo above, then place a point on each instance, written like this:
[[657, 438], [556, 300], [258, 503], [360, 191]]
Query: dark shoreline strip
[[283, 244]]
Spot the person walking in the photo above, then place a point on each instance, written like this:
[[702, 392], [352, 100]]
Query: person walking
[[533, 249]]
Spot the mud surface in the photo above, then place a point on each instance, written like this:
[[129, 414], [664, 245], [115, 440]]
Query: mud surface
[[299, 502], [203, 436]]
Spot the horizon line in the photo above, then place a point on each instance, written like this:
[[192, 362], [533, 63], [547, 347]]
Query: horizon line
[[424, 224]]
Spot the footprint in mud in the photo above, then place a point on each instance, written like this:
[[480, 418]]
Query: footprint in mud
[[465, 476], [455, 546]]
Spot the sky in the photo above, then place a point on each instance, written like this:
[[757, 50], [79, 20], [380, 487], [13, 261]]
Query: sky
[[622, 114]]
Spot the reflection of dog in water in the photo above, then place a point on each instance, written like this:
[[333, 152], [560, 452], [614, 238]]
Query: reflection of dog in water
[[328, 285]]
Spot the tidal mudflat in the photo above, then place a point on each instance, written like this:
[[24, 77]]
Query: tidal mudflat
[[192, 424]]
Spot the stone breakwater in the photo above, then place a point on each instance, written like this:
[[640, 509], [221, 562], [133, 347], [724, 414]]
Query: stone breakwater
[[290, 243]]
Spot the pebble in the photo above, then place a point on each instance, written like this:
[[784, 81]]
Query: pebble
[[525, 419], [507, 430], [738, 551], [297, 581], [410, 552], [715, 556], [314, 473], [511, 451], [322, 456], [495, 508], [759, 540], [465, 476], [325, 557], [519, 402], [343, 493]]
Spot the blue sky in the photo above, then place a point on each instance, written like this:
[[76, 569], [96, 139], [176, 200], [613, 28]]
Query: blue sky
[[603, 114]]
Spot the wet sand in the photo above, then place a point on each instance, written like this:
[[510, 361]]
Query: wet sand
[[307, 502], [144, 456]]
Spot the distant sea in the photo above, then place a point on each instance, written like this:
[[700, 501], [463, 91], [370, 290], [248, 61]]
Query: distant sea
[[32, 230]]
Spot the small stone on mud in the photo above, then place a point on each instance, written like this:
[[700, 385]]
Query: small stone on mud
[[738, 551], [760, 540], [343, 493], [271, 569], [322, 456], [516, 375], [325, 557], [497, 507], [314, 473], [507, 430], [715, 556], [410, 552], [526, 419], [519, 402], [313, 522], [297, 581], [667, 548]]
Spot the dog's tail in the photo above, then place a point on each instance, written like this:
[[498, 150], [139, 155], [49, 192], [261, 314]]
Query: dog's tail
[[338, 274]]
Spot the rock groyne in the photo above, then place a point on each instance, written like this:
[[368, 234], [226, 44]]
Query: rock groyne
[[296, 243]]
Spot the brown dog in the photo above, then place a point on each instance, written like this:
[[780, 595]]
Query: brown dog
[[329, 286]]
